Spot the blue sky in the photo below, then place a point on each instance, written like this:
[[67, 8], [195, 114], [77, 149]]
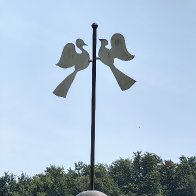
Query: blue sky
[[156, 115]]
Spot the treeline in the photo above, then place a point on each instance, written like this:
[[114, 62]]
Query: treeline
[[142, 175]]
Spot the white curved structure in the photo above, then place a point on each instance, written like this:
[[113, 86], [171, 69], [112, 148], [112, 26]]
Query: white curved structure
[[91, 193]]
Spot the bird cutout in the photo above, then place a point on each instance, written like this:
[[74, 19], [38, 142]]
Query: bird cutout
[[118, 50], [69, 58]]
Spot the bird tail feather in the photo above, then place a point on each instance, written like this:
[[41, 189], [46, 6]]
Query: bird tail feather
[[63, 88], [124, 81]]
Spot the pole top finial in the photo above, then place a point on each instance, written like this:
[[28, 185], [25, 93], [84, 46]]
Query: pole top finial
[[94, 25]]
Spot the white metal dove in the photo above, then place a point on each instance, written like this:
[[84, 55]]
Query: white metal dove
[[69, 58], [119, 51]]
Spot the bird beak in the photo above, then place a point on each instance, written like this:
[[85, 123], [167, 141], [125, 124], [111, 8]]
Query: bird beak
[[85, 45], [100, 39]]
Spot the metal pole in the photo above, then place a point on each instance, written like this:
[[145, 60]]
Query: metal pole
[[92, 174]]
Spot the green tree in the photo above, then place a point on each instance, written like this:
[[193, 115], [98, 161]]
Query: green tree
[[104, 182], [78, 178], [150, 164], [52, 182], [185, 182], [136, 174], [121, 172], [8, 184], [192, 163], [80, 181], [167, 172], [23, 185], [143, 175]]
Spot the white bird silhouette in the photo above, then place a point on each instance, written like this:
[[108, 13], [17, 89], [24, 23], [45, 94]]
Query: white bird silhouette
[[69, 58], [119, 51]]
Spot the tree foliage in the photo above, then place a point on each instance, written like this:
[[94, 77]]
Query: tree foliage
[[142, 175]]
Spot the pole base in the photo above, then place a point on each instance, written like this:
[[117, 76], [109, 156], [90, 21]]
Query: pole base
[[91, 193]]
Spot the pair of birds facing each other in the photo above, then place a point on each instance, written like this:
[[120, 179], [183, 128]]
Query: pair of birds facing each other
[[70, 57]]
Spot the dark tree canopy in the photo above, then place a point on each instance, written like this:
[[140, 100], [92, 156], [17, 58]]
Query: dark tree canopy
[[142, 175]]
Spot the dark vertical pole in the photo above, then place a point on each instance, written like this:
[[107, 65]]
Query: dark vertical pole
[[92, 174]]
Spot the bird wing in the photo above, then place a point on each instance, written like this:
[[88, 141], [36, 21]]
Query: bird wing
[[82, 60], [119, 49], [105, 56], [67, 56]]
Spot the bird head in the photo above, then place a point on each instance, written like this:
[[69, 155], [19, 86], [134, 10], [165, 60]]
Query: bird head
[[80, 43], [103, 42]]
